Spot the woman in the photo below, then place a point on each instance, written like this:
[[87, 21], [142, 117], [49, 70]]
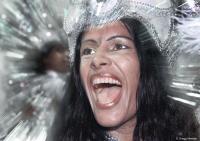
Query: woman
[[118, 91]]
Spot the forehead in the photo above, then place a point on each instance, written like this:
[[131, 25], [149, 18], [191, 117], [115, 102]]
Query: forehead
[[109, 29], [59, 46]]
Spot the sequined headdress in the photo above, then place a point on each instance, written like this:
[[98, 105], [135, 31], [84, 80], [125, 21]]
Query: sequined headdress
[[154, 15]]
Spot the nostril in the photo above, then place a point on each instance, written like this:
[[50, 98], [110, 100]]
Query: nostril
[[99, 62], [103, 63]]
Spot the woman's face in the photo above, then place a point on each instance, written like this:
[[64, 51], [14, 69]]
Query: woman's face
[[110, 73], [57, 59]]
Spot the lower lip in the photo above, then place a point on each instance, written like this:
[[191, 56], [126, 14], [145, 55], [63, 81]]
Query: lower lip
[[110, 104]]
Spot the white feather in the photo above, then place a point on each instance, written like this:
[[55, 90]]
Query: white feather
[[189, 30]]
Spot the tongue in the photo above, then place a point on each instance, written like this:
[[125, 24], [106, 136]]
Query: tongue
[[108, 95]]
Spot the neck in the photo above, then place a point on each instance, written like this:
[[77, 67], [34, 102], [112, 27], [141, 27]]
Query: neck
[[124, 132]]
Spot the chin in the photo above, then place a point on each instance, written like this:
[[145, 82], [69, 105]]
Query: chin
[[109, 120], [115, 118], [110, 123]]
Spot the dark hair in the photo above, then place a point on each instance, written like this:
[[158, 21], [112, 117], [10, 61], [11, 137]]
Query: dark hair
[[158, 117]]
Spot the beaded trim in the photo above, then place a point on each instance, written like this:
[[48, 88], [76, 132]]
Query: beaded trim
[[110, 138]]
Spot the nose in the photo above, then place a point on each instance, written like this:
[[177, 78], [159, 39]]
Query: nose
[[100, 60]]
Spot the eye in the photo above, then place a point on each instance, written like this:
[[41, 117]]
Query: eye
[[88, 51], [119, 47]]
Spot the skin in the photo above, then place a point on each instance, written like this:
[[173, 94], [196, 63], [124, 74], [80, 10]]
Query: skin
[[57, 60], [109, 51]]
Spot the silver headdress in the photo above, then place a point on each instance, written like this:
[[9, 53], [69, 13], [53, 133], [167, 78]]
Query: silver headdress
[[154, 15]]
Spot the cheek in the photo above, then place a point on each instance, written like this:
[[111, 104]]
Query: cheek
[[84, 71], [133, 73], [55, 58], [130, 67], [59, 56]]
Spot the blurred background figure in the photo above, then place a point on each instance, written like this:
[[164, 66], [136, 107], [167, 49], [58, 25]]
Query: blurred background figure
[[33, 69], [53, 64]]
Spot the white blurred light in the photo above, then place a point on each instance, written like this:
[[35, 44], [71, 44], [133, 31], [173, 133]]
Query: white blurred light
[[182, 85], [50, 26], [19, 75], [15, 55], [191, 65], [34, 39], [44, 15], [184, 101], [193, 95], [3, 16], [48, 34], [10, 82]]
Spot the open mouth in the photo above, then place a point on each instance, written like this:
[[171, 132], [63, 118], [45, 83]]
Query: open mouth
[[107, 90]]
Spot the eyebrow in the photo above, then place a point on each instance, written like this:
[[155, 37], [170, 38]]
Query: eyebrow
[[88, 40], [119, 36], [110, 38]]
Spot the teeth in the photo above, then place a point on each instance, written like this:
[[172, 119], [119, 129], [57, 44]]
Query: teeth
[[105, 80]]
